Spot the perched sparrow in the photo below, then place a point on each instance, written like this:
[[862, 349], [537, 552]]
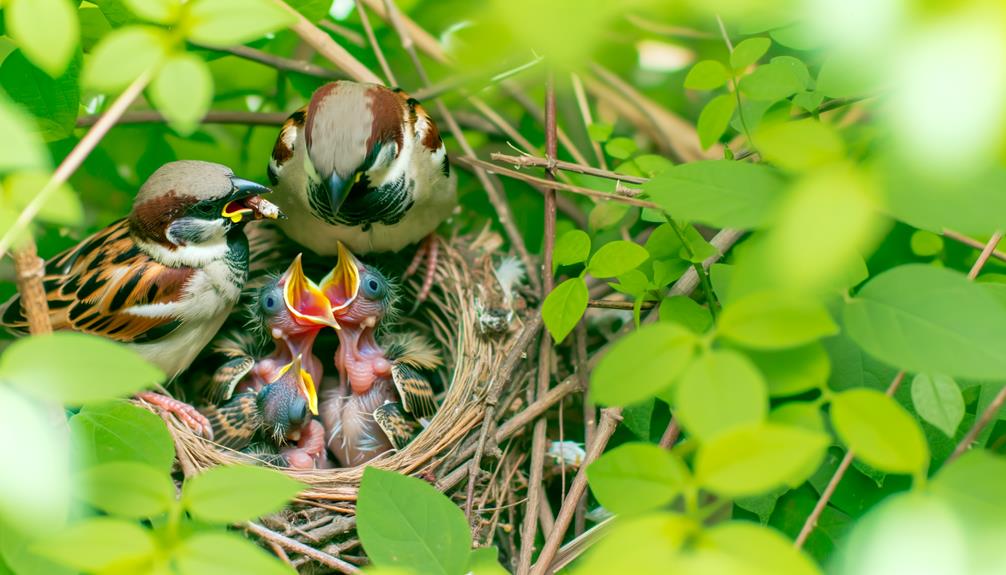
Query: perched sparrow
[[162, 280], [378, 383], [364, 165]]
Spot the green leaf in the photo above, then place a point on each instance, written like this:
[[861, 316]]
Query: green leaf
[[938, 400], [775, 320], [663, 243], [99, 544], [485, 561], [46, 30], [720, 390], [63, 206], [800, 145], [695, 248], [799, 69], [645, 544], [53, 102], [685, 311], [638, 418], [222, 23], [403, 521], [564, 306], [183, 91], [757, 549], [217, 553], [721, 193], [636, 477], [158, 11], [123, 55], [706, 75], [127, 489], [715, 118], [925, 319], [651, 164], [976, 483], [90, 369], [926, 244], [606, 215], [805, 414], [756, 458], [842, 76], [642, 364], [771, 82], [600, 132], [795, 370], [615, 258], [214, 495], [120, 431], [748, 52], [571, 248], [879, 431], [21, 148], [620, 148]]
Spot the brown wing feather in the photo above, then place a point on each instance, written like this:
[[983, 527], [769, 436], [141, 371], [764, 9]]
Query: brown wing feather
[[90, 286], [414, 389]]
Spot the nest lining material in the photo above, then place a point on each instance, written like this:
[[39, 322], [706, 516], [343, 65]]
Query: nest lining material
[[473, 359]]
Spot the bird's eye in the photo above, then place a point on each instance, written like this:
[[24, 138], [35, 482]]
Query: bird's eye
[[373, 287], [271, 301], [298, 412]]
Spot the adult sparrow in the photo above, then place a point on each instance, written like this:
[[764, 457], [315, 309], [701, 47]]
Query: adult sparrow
[[163, 280]]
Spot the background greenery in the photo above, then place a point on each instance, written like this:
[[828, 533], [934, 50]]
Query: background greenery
[[857, 145]]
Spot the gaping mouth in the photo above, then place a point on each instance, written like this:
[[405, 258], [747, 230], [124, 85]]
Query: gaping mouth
[[306, 303], [342, 284], [257, 206]]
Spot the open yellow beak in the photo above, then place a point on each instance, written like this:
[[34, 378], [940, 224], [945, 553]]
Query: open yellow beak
[[304, 299], [236, 211], [304, 381], [342, 284]]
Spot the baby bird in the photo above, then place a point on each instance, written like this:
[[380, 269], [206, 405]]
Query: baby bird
[[164, 279], [378, 384], [364, 165]]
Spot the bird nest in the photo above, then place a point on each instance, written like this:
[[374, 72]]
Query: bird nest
[[481, 345]]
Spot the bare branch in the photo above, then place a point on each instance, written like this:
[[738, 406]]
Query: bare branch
[[328, 47]]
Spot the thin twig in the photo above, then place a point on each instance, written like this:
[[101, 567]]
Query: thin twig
[[589, 413], [365, 20], [213, 117], [329, 48], [526, 161], [588, 119], [557, 185], [969, 241], [984, 420], [29, 270], [298, 547], [277, 62], [610, 416], [671, 433], [620, 305], [829, 490], [426, 41], [539, 437], [74, 159], [496, 196], [351, 36]]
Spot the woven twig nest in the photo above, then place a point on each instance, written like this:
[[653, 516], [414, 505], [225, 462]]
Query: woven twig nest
[[474, 349]]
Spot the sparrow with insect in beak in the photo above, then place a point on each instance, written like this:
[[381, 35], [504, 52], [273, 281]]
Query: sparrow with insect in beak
[[364, 165], [380, 384], [291, 310], [164, 279]]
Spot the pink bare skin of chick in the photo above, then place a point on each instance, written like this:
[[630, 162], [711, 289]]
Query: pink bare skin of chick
[[361, 297]]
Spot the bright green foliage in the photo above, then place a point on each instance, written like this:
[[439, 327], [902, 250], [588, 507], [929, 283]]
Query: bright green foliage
[[715, 118], [706, 75], [926, 244], [63, 206], [403, 521], [646, 544], [800, 145], [879, 431], [930, 320], [756, 458], [119, 431], [159, 11], [485, 561], [89, 370], [572, 247], [938, 400], [748, 52], [771, 82], [21, 149], [684, 311], [794, 370], [182, 91], [775, 320], [621, 148], [750, 548], [225, 553], [564, 307], [232, 493], [106, 69], [637, 477], [718, 192], [721, 390], [46, 30], [642, 364], [127, 489], [101, 544], [228, 22], [615, 258], [53, 101], [600, 132]]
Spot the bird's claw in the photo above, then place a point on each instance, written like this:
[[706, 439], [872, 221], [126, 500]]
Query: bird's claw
[[187, 414], [427, 252]]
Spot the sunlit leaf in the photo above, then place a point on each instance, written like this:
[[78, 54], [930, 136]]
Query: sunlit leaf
[[229, 22], [756, 458], [879, 431], [127, 489], [615, 258], [46, 30], [748, 52], [719, 391], [217, 553], [771, 82], [119, 431], [654, 541], [620, 147], [53, 102], [90, 369], [403, 521], [21, 148], [159, 11], [685, 311], [775, 320], [795, 370], [800, 145], [571, 248], [212, 495], [758, 549], [123, 55], [715, 118], [564, 306], [99, 544], [938, 400], [926, 244], [600, 132], [805, 414], [642, 364], [183, 91], [636, 477], [930, 320], [706, 75]]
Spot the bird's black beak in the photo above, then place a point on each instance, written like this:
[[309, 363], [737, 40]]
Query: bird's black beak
[[247, 199], [338, 188]]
